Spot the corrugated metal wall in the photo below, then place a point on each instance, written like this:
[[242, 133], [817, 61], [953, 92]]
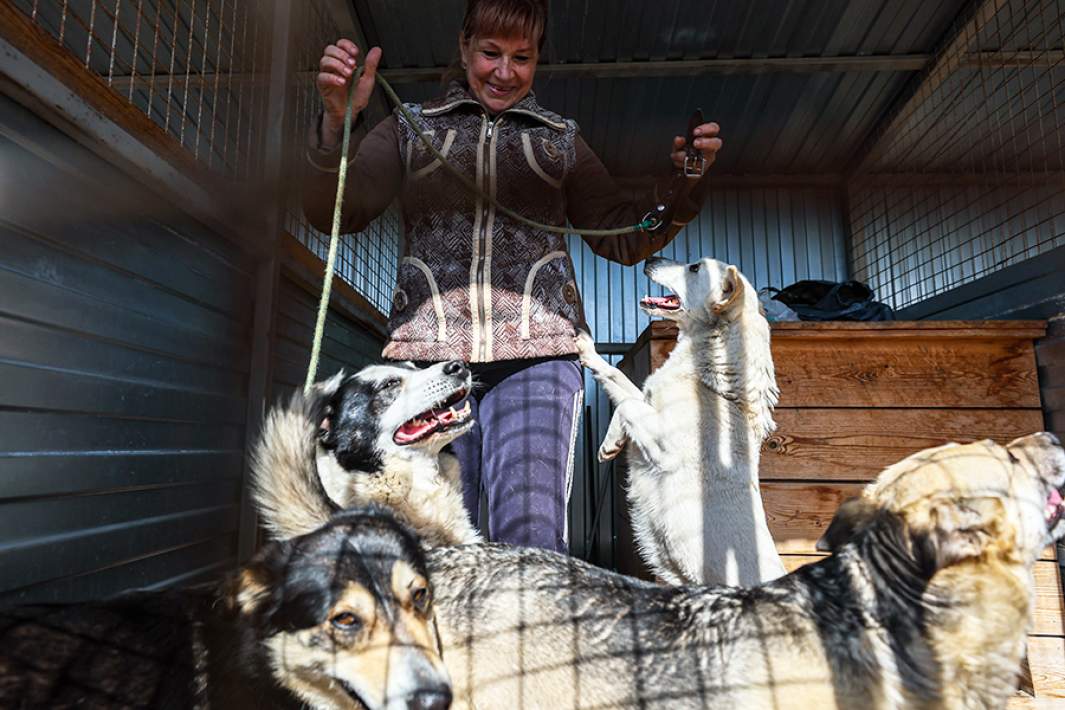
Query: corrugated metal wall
[[775, 235], [124, 361], [345, 343]]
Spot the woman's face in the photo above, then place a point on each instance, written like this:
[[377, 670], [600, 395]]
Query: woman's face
[[499, 70]]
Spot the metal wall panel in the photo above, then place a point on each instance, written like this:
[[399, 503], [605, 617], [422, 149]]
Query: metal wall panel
[[124, 361], [775, 235], [345, 345], [773, 122]]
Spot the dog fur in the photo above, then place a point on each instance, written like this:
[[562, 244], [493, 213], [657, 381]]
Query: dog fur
[[924, 602], [695, 430], [338, 618], [346, 431]]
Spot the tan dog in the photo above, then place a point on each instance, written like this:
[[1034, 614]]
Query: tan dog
[[338, 619]]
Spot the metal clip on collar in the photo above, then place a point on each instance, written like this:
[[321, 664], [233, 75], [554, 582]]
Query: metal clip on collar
[[654, 218]]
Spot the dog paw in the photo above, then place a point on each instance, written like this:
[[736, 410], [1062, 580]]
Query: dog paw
[[609, 450], [586, 347]]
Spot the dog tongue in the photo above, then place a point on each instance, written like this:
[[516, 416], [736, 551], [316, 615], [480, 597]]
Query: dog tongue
[[1054, 501], [661, 301], [414, 429]]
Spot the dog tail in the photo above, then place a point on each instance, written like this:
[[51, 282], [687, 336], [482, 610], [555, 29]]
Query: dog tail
[[286, 487]]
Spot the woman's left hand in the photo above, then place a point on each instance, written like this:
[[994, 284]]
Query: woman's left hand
[[706, 142]]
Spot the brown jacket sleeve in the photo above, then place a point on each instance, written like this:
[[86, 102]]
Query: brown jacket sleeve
[[373, 180], [594, 201]]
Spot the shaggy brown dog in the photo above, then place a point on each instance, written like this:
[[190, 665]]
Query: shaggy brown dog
[[337, 619]]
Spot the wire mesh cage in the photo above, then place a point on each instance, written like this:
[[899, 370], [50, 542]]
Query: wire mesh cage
[[191, 67], [199, 70], [367, 261], [967, 177]]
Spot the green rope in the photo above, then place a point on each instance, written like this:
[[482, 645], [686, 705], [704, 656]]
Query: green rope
[[643, 226], [342, 174], [334, 238]]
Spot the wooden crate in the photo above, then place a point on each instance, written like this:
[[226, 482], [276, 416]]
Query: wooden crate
[[856, 397]]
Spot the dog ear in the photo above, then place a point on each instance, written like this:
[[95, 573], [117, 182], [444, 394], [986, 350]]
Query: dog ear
[[321, 408], [853, 516], [731, 291], [957, 532], [250, 587]]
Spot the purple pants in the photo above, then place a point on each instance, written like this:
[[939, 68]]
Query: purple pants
[[520, 451]]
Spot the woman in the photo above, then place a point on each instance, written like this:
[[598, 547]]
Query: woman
[[474, 284]]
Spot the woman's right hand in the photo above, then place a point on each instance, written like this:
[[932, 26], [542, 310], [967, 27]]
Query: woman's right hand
[[335, 69]]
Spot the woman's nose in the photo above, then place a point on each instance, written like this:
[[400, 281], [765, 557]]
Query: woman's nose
[[503, 68]]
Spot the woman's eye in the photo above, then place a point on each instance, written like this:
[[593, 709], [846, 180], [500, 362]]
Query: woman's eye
[[345, 621], [491, 54], [521, 59]]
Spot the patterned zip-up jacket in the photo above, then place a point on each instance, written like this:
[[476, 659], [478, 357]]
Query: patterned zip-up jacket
[[475, 284]]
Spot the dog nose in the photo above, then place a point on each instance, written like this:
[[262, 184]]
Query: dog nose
[[455, 367], [435, 699]]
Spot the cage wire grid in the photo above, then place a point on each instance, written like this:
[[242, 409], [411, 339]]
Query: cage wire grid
[[367, 261], [198, 70], [967, 177]]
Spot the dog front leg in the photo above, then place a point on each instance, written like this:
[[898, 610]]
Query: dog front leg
[[613, 441], [617, 386], [636, 421]]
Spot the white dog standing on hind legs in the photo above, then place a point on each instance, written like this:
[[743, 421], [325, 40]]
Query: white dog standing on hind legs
[[695, 430]]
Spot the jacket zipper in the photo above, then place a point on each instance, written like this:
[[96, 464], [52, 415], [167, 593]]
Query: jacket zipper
[[482, 305]]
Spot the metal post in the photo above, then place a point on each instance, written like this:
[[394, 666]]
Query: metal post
[[267, 275]]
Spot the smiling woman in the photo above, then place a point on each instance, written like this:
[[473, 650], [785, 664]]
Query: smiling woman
[[474, 283]]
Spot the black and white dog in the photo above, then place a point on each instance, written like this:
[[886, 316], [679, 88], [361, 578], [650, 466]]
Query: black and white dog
[[377, 436]]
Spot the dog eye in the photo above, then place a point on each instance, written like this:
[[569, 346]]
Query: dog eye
[[390, 383], [420, 597], [345, 621], [694, 268]]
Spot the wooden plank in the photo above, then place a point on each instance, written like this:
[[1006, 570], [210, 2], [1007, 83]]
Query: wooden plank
[[1049, 611], [879, 329], [892, 364], [906, 372], [1046, 658], [798, 513], [856, 444], [952, 329]]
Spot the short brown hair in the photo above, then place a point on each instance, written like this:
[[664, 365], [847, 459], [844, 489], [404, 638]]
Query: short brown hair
[[506, 18]]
